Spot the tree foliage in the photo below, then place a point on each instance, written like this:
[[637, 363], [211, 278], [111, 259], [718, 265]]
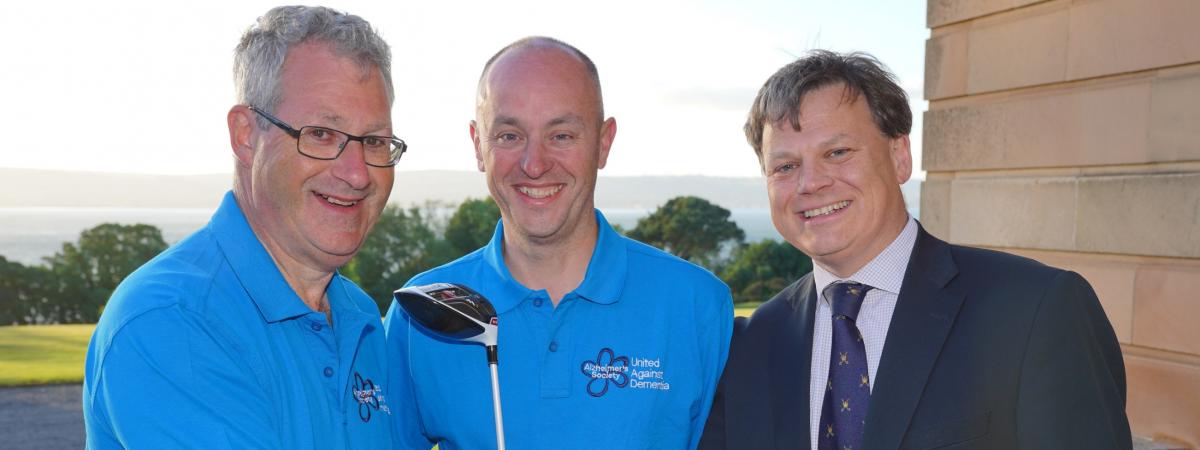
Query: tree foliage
[[691, 228], [22, 292], [472, 225], [759, 270], [75, 282], [403, 243], [84, 274]]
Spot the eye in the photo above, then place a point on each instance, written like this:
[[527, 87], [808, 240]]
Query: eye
[[507, 138], [374, 142], [319, 136], [839, 153], [784, 168]]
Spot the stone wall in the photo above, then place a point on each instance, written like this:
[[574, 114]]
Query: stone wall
[[1069, 132]]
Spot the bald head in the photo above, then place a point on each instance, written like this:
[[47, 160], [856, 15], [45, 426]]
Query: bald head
[[536, 52]]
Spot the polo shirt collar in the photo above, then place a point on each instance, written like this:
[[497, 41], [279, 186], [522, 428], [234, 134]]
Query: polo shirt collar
[[602, 283], [606, 271], [253, 266], [503, 290]]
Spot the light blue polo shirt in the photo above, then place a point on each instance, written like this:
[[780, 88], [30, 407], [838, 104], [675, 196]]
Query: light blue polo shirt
[[630, 359], [206, 346]]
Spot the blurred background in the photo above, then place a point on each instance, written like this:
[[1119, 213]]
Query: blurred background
[[1063, 130]]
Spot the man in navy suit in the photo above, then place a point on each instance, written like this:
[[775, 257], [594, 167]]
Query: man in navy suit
[[898, 339]]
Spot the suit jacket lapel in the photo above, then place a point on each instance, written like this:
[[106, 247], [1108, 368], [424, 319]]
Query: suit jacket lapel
[[924, 314], [790, 368]]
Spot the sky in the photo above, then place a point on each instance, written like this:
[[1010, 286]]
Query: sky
[[144, 87]]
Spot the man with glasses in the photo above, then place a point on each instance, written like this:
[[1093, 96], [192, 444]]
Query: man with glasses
[[244, 335]]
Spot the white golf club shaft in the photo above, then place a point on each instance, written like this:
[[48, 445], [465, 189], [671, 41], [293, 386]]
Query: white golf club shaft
[[496, 407]]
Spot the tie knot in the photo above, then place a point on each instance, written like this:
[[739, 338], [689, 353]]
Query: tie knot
[[846, 298]]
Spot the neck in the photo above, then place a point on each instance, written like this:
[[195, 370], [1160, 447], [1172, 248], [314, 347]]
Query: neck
[[846, 268], [556, 266], [308, 284], [308, 281]]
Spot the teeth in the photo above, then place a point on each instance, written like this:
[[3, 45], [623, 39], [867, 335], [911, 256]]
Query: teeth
[[826, 209], [539, 192], [336, 201]]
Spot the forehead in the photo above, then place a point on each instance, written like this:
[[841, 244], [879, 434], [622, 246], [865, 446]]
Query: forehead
[[541, 80], [318, 82], [824, 114]]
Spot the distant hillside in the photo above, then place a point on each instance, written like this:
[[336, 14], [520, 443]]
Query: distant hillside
[[27, 187]]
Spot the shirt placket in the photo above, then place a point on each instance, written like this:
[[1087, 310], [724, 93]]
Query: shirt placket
[[324, 354], [556, 354]]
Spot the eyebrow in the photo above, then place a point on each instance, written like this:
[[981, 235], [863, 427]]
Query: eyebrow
[[336, 120], [572, 119], [567, 119], [834, 140]]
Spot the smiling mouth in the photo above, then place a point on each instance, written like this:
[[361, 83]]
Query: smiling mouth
[[539, 193], [336, 201], [826, 210]]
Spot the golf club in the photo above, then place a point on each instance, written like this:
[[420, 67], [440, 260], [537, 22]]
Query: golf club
[[456, 312]]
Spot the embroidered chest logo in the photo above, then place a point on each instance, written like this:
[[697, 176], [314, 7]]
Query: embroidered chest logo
[[610, 369], [370, 397]]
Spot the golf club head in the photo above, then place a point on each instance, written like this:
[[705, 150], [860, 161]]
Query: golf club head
[[452, 311]]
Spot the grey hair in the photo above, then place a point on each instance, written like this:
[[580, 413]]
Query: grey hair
[[259, 57], [543, 42], [862, 74]]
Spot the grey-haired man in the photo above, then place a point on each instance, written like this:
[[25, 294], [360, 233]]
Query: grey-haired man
[[244, 335]]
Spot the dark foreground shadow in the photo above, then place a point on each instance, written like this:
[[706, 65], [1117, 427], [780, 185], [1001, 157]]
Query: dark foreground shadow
[[41, 417]]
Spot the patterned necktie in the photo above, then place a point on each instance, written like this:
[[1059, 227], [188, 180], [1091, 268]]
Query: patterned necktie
[[844, 412]]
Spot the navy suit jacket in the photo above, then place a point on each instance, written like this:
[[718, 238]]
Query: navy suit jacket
[[985, 350]]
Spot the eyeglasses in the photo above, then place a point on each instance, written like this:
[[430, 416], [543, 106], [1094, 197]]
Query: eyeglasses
[[327, 143]]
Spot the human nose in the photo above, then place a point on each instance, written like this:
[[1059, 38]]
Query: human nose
[[813, 178], [534, 161], [351, 166]]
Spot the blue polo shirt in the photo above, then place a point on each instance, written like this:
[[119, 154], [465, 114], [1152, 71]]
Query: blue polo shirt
[[206, 346], [630, 359]]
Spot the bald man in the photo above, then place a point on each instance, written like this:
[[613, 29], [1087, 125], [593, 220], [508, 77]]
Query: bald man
[[604, 341]]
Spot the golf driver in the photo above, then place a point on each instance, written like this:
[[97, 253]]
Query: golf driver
[[458, 313]]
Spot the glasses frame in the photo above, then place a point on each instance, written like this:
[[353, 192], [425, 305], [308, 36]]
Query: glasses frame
[[295, 133]]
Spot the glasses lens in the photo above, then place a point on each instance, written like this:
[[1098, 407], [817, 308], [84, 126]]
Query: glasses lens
[[327, 143], [381, 151], [321, 143]]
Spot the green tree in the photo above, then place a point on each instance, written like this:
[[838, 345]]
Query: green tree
[[759, 270], [84, 274], [22, 290], [403, 243], [690, 228], [472, 225]]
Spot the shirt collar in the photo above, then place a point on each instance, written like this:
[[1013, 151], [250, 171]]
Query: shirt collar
[[602, 283], [253, 266], [885, 272], [606, 271]]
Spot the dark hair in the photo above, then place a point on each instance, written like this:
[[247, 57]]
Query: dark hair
[[544, 41], [862, 74]]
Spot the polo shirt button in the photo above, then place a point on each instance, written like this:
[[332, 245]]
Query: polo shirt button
[[328, 372], [553, 346], [316, 326], [537, 303]]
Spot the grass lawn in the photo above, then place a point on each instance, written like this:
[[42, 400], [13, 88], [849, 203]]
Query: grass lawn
[[743, 312], [46, 354], [745, 309], [43, 354]]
